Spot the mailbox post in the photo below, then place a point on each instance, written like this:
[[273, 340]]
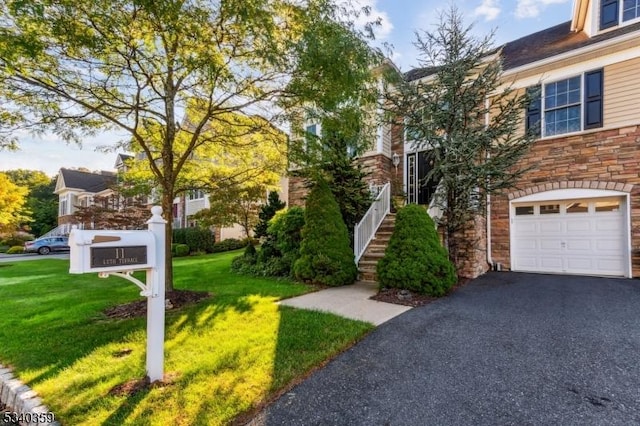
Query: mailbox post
[[120, 253], [155, 302]]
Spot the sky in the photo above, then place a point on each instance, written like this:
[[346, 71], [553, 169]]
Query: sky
[[400, 20]]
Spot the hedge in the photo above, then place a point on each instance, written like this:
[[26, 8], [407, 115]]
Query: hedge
[[198, 239]]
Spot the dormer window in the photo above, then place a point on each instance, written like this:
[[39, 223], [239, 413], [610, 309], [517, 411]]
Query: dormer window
[[630, 10], [613, 12]]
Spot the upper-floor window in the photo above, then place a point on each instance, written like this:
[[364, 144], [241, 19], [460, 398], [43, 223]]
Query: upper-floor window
[[614, 12], [630, 10], [196, 194], [566, 106]]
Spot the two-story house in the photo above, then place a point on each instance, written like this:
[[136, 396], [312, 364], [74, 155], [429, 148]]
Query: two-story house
[[577, 211]]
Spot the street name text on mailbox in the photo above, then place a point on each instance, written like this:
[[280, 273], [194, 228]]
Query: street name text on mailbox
[[106, 251], [118, 256]]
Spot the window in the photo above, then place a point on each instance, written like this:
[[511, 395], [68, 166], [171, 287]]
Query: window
[[550, 209], [577, 207], [63, 207], [524, 211], [612, 12], [196, 194], [607, 206], [564, 107], [630, 10]]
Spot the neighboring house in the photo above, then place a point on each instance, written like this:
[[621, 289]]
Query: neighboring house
[[578, 210], [81, 188]]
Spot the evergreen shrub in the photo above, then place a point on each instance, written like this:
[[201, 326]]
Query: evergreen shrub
[[414, 259], [326, 256], [15, 250], [180, 250]]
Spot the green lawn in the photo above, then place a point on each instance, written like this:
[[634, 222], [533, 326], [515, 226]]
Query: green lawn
[[226, 354]]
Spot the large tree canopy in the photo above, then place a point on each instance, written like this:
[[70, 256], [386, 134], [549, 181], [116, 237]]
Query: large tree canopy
[[12, 200], [138, 66], [41, 206]]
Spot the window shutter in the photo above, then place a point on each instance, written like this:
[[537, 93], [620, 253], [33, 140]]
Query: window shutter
[[534, 113], [608, 13], [593, 95]]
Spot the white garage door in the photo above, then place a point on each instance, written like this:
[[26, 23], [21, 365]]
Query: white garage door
[[570, 236]]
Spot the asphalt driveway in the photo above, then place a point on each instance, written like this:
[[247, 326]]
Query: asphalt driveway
[[507, 349]]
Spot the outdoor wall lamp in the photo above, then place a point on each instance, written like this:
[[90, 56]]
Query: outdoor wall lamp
[[395, 159]]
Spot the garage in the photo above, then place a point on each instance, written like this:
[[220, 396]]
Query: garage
[[586, 236]]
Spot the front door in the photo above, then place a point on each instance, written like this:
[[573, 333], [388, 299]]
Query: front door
[[420, 188]]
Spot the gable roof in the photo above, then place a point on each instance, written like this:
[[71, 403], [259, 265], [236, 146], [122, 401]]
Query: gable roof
[[541, 45], [554, 41], [87, 181]]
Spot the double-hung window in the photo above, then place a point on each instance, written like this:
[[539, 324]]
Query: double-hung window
[[566, 106]]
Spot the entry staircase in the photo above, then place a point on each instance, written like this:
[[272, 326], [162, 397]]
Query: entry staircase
[[375, 250], [59, 231], [373, 232]]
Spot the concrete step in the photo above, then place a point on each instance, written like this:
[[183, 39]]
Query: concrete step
[[375, 256], [364, 264], [370, 283], [368, 276]]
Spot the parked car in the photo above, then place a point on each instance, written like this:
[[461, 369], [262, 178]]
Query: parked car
[[47, 245]]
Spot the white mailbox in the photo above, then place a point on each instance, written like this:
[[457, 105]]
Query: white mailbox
[[105, 251]]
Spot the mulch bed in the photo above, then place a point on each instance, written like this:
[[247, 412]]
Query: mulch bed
[[174, 300], [410, 298]]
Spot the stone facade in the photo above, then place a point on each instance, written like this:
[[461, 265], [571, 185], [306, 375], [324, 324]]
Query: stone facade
[[472, 253], [605, 159]]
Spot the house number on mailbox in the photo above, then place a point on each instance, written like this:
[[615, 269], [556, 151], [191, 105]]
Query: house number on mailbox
[[118, 256]]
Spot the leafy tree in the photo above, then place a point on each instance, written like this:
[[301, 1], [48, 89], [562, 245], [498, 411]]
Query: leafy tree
[[325, 254], [341, 99], [12, 200], [470, 119], [267, 211], [233, 205], [414, 259], [112, 212], [41, 202], [75, 67]]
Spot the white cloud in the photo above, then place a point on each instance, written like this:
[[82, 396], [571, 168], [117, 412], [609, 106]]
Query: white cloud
[[381, 31], [489, 9], [532, 8]]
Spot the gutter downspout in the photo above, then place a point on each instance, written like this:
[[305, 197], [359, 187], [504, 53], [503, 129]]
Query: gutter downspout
[[488, 230]]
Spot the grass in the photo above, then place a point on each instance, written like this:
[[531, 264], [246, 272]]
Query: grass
[[226, 354]]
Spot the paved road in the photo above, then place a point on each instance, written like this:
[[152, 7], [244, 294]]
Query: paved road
[[508, 349], [31, 256]]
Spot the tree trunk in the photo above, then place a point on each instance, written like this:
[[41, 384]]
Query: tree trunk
[[167, 212]]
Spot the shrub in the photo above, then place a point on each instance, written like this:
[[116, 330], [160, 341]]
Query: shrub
[[325, 254], [180, 250], [15, 250], [267, 211], [3, 249], [246, 262], [414, 259], [16, 239], [198, 239], [282, 246], [229, 244]]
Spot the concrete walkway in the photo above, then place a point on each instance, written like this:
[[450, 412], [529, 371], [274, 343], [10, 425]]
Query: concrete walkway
[[350, 301]]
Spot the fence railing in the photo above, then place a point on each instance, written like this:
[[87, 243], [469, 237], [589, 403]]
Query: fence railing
[[365, 229]]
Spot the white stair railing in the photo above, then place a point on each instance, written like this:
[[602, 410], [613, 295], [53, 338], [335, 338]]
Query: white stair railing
[[60, 230], [365, 230]]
